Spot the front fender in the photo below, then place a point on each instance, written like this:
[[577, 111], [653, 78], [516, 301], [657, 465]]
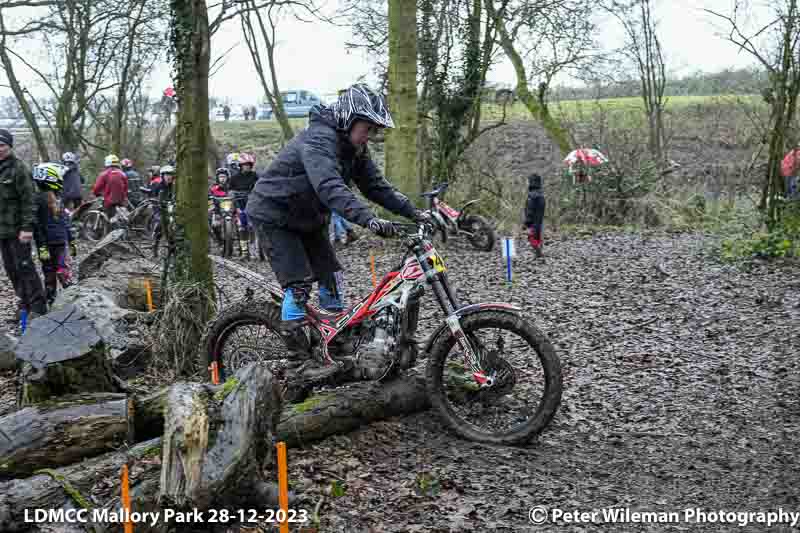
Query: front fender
[[466, 311], [464, 209]]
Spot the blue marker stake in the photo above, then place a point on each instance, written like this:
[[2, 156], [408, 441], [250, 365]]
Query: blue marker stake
[[508, 254], [23, 320]]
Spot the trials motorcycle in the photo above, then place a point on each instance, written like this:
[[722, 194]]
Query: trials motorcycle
[[450, 221], [492, 375]]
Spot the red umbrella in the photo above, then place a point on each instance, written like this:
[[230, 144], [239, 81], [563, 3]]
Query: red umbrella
[[169, 92]]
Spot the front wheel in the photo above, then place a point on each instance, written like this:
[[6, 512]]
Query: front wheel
[[525, 388], [228, 232], [482, 235]]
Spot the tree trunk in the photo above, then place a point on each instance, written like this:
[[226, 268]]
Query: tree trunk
[[192, 266], [63, 431], [70, 486], [553, 127], [20, 95], [217, 441], [401, 142], [62, 353]]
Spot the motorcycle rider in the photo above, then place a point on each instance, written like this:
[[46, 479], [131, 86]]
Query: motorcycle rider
[[291, 203], [218, 190], [73, 181], [166, 194], [112, 185], [220, 187], [241, 184], [534, 213]]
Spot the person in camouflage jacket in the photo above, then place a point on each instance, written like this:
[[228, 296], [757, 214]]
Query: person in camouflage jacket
[[16, 228]]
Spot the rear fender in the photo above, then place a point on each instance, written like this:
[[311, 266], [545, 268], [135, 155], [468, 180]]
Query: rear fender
[[443, 329], [464, 209]]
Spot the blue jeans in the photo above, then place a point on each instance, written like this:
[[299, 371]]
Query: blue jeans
[[792, 191], [340, 226]]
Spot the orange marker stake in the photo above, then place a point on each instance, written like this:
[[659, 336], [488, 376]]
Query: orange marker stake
[[372, 267], [283, 486], [126, 499], [214, 368], [149, 292]]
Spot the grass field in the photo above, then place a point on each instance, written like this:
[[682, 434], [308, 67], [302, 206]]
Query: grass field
[[261, 134]]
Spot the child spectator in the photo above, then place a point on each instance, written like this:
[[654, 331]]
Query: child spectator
[[534, 213]]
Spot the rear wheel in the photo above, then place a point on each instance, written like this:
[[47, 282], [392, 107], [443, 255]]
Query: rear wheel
[[482, 235], [526, 379], [244, 333], [94, 226]]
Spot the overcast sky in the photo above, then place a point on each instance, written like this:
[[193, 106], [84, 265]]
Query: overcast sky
[[313, 55]]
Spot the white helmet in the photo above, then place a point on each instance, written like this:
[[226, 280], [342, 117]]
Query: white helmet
[[111, 160], [167, 169], [361, 102], [69, 157]]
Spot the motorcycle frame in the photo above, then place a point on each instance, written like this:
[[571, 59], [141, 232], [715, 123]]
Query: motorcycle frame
[[396, 289]]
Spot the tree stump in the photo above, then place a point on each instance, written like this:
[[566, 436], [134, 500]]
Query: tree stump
[[217, 441], [136, 293], [63, 431], [62, 353]]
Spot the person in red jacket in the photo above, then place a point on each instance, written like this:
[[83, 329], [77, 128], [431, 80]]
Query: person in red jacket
[[112, 185]]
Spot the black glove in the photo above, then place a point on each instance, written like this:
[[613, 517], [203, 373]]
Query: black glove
[[73, 249], [422, 216], [381, 227]]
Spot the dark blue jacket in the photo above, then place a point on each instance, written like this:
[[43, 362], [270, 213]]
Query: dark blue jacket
[[312, 174], [72, 184], [48, 229], [534, 210]]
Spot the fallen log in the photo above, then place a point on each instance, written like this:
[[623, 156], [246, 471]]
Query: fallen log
[[345, 409], [217, 442], [62, 354], [78, 485], [323, 414], [63, 431]]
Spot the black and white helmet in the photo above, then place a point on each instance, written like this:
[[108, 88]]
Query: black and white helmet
[[359, 102]]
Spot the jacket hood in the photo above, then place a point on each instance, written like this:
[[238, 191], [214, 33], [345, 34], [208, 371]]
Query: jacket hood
[[320, 114], [534, 182]]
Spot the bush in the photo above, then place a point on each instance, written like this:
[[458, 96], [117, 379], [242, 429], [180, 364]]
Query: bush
[[780, 241]]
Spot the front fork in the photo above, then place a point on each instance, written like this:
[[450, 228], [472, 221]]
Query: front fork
[[449, 303]]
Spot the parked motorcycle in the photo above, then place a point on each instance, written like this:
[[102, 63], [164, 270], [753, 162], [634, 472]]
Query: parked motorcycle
[[451, 221], [492, 375]]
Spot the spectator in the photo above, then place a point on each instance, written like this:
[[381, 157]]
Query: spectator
[[51, 231], [790, 168], [226, 112], [534, 213], [246, 113], [73, 181], [134, 181], [16, 230]]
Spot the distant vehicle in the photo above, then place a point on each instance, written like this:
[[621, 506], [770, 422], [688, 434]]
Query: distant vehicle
[[297, 103]]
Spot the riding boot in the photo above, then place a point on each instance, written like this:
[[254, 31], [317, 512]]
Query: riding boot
[[301, 360]]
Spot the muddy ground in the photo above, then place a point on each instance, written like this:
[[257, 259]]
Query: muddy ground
[[681, 390]]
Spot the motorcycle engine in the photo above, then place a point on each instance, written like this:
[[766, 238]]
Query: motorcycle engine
[[375, 356]]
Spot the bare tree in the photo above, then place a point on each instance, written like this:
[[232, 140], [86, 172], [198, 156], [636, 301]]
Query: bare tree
[[552, 36], [643, 48], [267, 74], [776, 46]]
